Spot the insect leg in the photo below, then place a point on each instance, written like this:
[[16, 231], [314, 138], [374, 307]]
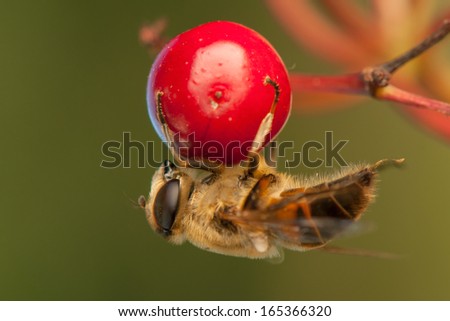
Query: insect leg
[[179, 160], [264, 128], [258, 192], [266, 124]]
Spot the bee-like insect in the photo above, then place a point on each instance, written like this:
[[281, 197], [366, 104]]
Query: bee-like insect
[[255, 215], [253, 210]]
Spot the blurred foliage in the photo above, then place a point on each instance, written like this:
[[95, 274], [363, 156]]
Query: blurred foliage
[[74, 76]]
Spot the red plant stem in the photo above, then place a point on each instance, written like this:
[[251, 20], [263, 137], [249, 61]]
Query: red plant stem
[[313, 30], [375, 81], [348, 84], [357, 22], [365, 84], [395, 94]]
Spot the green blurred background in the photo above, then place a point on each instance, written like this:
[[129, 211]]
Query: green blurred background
[[73, 76]]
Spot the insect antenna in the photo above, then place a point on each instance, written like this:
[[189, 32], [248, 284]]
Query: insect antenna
[[140, 203]]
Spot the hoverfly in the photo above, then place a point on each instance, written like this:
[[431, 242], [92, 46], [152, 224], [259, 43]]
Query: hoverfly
[[253, 211], [254, 216]]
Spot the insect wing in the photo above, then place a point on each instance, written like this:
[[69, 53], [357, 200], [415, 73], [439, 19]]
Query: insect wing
[[307, 217], [299, 232]]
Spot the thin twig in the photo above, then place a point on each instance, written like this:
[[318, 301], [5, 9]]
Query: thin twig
[[427, 43]]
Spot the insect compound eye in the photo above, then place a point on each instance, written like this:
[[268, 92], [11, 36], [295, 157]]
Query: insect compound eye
[[166, 205], [169, 168]]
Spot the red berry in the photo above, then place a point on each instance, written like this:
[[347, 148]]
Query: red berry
[[212, 81]]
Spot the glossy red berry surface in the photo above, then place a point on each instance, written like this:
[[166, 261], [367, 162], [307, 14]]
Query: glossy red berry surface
[[213, 93]]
